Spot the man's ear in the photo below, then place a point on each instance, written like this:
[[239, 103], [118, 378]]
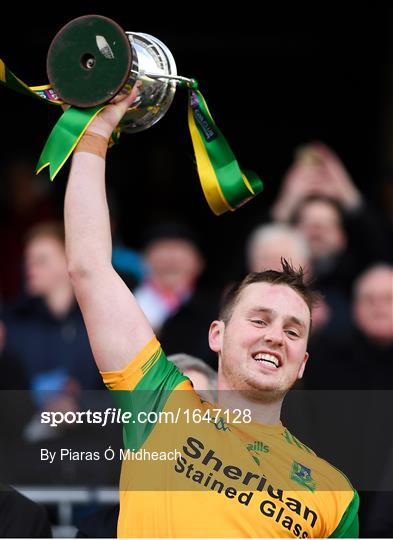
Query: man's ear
[[216, 334], [303, 366]]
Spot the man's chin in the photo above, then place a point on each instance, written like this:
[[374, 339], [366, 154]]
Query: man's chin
[[263, 392]]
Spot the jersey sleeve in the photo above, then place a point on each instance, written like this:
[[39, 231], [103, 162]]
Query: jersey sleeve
[[349, 523], [144, 386]]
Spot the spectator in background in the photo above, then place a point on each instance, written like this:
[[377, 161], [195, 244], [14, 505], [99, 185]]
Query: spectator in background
[[373, 306], [25, 201], [175, 264], [364, 358], [167, 296], [345, 236], [45, 330], [363, 363], [321, 221], [202, 376], [316, 171], [12, 398], [20, 517], [267, 244]]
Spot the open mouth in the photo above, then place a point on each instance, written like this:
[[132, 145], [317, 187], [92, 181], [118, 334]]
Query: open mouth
[[267, 358]]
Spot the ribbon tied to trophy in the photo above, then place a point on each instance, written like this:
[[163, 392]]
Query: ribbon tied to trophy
[[90, 61]]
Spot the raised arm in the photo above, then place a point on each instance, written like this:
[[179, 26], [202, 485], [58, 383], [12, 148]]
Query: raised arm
[[116, 326]]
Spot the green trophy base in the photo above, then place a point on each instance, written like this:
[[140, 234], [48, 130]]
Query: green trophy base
[[89, 61]]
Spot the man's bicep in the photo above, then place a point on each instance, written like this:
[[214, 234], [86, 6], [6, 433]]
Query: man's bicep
[[116, 326]]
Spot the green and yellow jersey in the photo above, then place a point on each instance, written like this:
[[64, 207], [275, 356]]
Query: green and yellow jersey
[[229, 478]]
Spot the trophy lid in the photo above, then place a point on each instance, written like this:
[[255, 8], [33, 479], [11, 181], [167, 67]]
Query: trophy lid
[[89, 61]]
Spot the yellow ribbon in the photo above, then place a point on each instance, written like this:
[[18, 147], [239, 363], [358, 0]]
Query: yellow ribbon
[[210, 185]]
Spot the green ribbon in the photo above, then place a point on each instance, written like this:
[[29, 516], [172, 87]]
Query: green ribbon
[[64, 137], [68, 130], [225, 185], [41, 92]]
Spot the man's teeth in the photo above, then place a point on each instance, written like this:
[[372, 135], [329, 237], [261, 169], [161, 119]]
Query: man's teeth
[[264, 357]]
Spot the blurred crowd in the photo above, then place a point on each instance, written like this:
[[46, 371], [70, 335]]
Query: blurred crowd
[[320, 221]]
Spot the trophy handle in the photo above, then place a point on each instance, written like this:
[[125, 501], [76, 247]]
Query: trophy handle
[[190, 83]]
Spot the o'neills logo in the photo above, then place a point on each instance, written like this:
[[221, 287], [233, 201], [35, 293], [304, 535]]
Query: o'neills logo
[[280, 508], [255, 448]]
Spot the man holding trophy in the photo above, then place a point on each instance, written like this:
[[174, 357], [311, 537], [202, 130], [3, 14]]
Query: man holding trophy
[[256, 479], [235, 458]]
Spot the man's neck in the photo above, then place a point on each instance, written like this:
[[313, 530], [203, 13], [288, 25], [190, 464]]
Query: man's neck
[[264, 411]]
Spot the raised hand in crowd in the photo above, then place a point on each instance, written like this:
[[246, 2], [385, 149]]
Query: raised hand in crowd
[[317, 170]]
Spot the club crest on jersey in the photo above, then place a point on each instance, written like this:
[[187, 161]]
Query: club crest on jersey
[[302, 475]]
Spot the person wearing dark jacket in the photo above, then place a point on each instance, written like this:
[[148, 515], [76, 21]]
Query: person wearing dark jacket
[[45, 329], [20, 517], [355, 374]]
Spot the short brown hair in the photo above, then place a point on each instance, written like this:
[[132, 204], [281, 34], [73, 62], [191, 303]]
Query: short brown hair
[[293, 278]]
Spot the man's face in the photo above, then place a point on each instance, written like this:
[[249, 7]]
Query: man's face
[[46, 267], [373, 305], [320, 223], [262, 348]]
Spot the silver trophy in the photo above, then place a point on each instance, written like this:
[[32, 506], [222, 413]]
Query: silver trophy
[[91, 60]]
